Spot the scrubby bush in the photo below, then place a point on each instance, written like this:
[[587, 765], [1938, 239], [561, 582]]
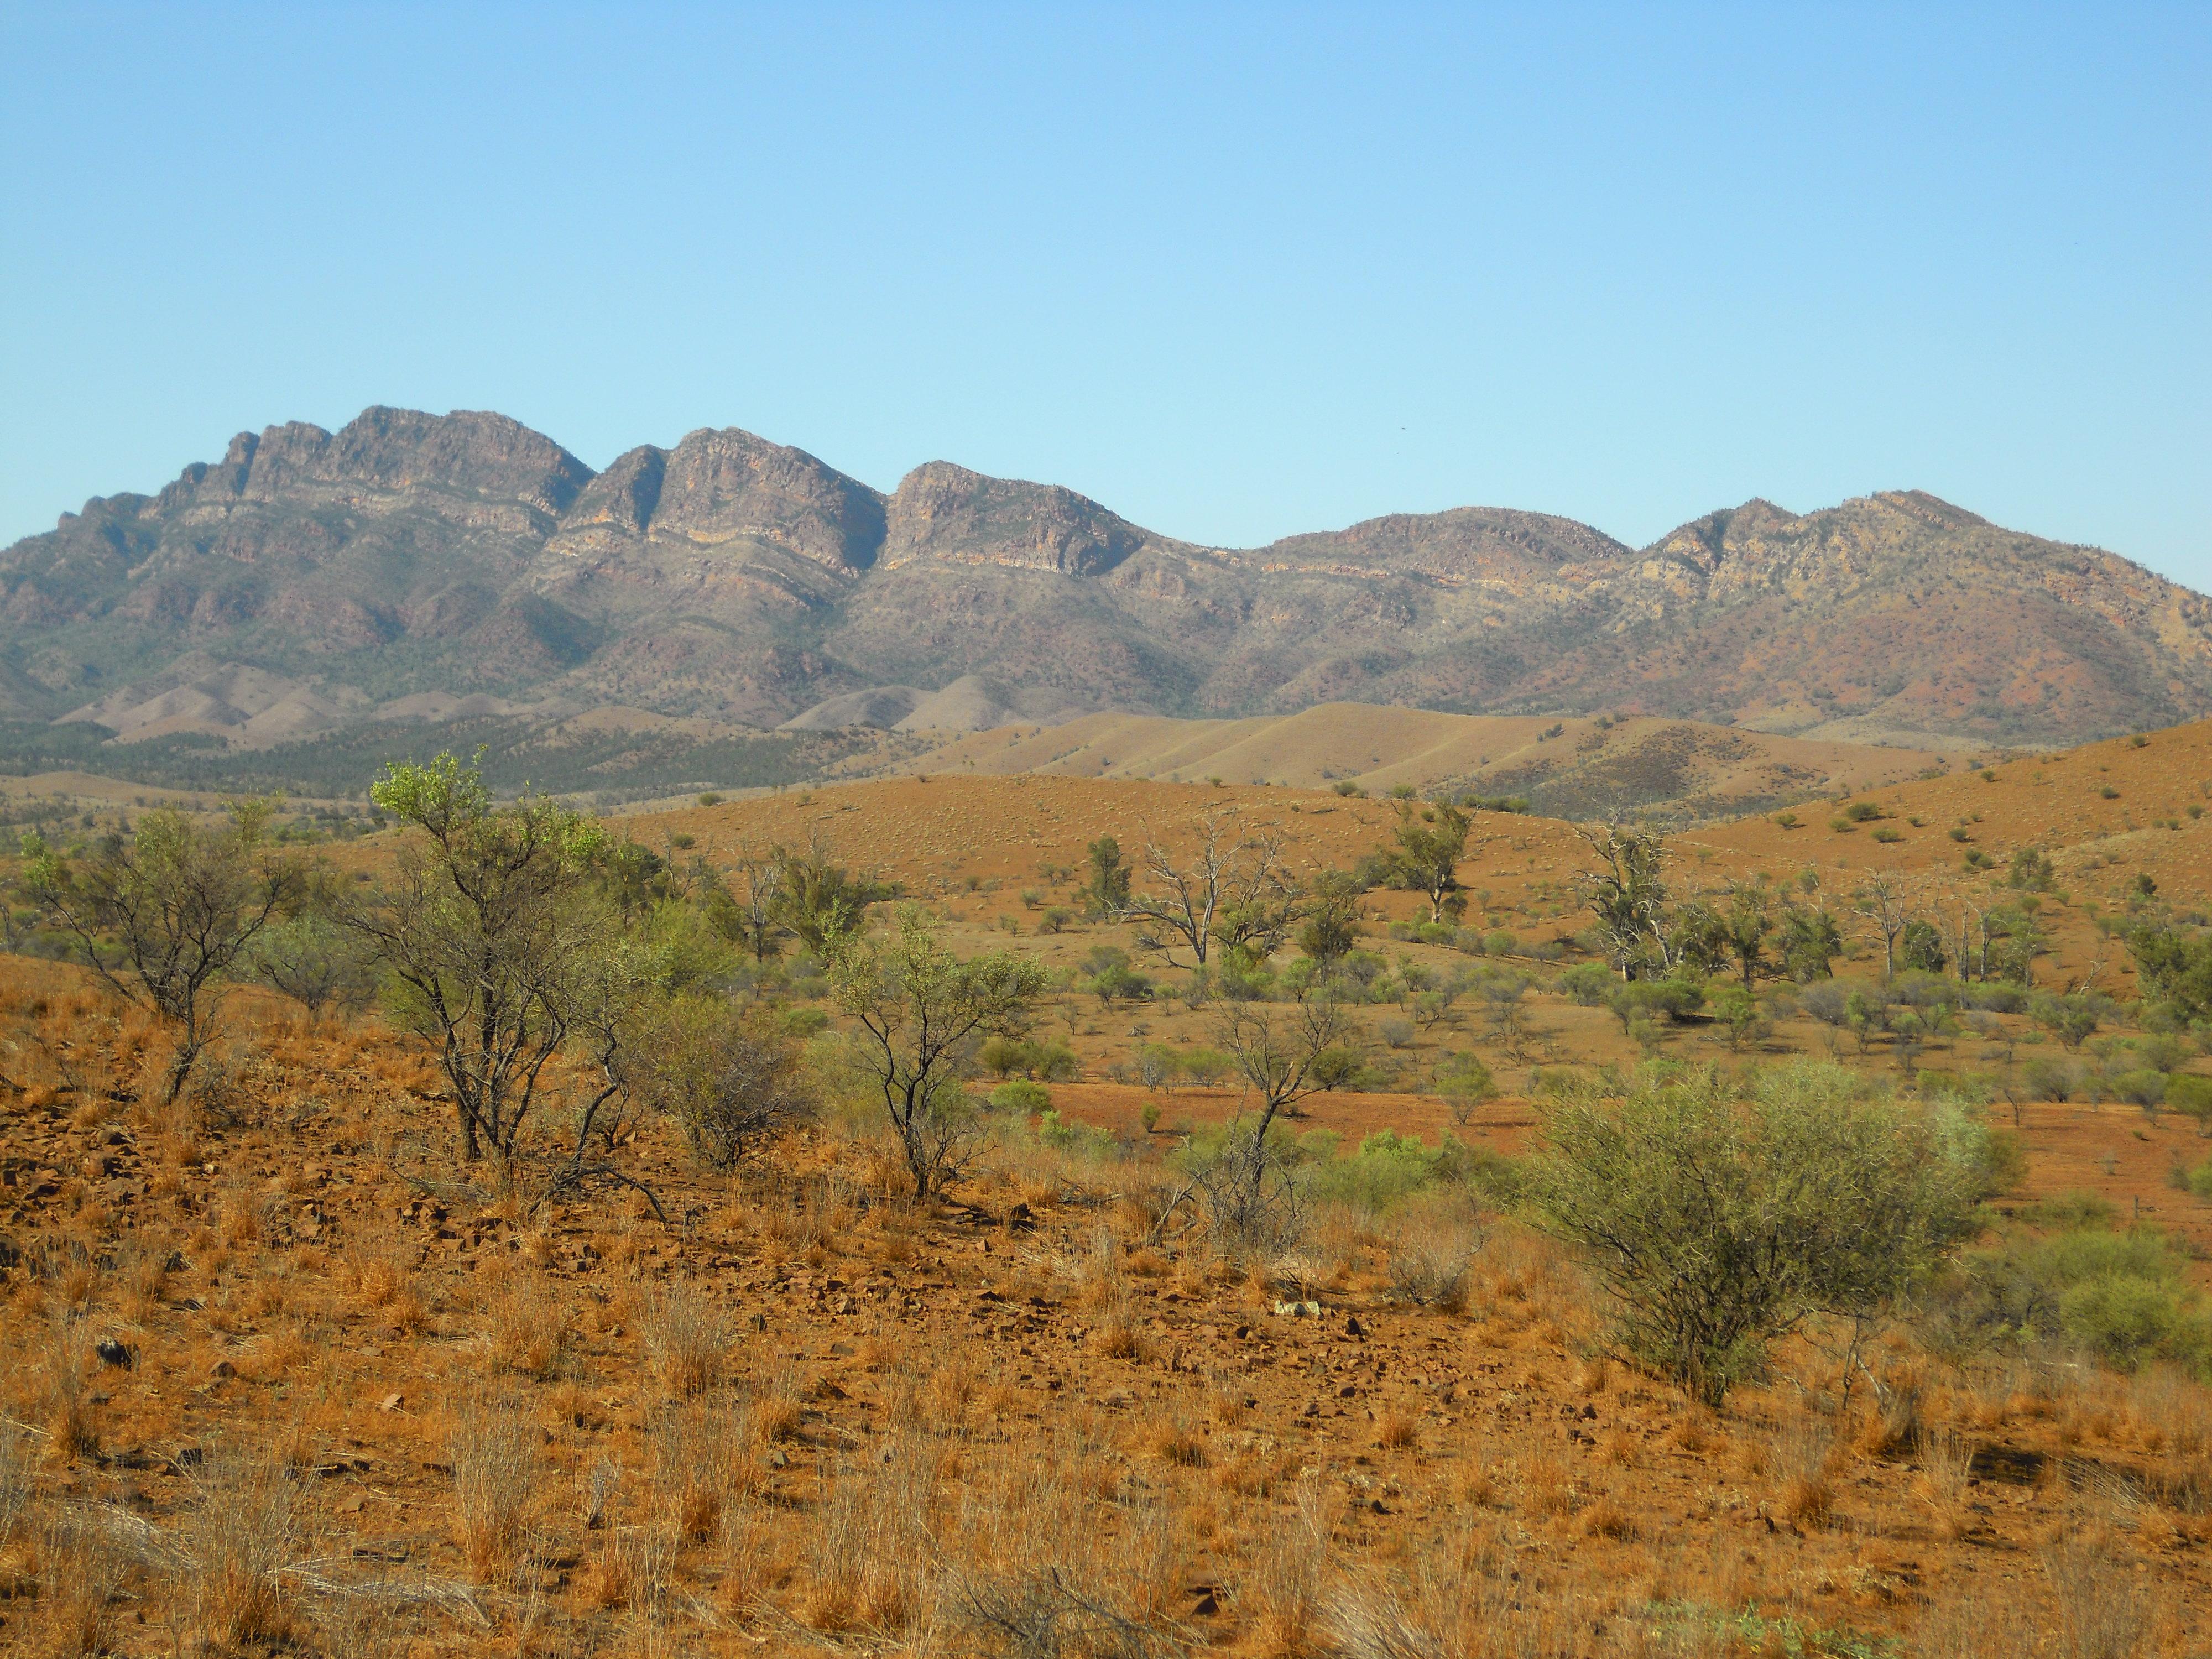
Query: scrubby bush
[[1589, 984], [729, 1081], [1653, 999], [1719, 1218]]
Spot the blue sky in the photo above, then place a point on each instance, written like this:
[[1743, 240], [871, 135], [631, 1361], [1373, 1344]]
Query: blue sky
[[1235, 272]]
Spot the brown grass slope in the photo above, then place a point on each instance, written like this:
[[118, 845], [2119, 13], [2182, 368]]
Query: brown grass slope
[[1586, 768]]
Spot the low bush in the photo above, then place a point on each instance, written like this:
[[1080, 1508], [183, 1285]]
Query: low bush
[[1019, 1097]]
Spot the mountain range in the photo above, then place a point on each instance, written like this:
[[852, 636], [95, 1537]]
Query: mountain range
[[412, 566]]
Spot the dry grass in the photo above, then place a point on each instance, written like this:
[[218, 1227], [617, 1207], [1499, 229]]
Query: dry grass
[[240, 1534], [80, 1571], [498, 1475], [2102, 1613], [1289, 1573], [527, 1328], [931, 1471], [687, 1340], [1803, 1457], [1945, 1461]]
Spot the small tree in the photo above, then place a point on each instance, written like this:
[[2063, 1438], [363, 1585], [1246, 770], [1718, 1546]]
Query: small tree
[[310, 956], [487, 939], [1466, 1084], [916, 1007], [817, 898], [1332, 926], [1718, 1220], [1432, 841], [1886, 905], [163, 917], [756, 900], [1747, 922]]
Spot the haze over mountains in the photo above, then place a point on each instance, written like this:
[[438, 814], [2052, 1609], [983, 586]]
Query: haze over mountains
[[311, 580]]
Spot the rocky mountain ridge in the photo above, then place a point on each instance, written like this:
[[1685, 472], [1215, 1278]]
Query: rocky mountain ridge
[[411, 555]]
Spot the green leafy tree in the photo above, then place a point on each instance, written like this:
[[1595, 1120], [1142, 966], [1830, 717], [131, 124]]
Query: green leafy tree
[[916, 1008], [1719, 1218], [2175, 969], [817, 898], [1810, 942], [1431, 843], [1332, 926], [1747, 923], [2072, 1019], [1108, 891], [1466, 1084], [163, 916], [1920, 948]]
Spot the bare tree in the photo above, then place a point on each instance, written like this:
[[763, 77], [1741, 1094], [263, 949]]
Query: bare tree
[[1884, 903], [1628, 896], [1235, 891], [1277, 1049], [162, 918], [760, 900]]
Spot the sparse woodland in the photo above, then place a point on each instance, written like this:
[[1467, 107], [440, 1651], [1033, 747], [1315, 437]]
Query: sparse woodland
[[1046, 1217]]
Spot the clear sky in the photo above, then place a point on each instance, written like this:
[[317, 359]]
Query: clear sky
[[1235, 272]]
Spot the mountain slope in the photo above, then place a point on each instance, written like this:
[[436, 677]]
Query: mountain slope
[[412, 554]]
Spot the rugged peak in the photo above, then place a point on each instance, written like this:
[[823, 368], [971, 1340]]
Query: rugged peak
[[467, 453], [943, 511], [721, 485]]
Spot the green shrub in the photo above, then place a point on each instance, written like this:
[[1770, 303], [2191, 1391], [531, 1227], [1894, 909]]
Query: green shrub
[[1466, 1084], [1589, 983], [2140, 1088], [2120, 1295], [1651, 1000], [2191, 1095], [1063, 1136], [803, 1023], [1021, 1096]]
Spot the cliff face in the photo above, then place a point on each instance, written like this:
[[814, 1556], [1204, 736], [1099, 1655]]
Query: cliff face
[[411, 553]]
